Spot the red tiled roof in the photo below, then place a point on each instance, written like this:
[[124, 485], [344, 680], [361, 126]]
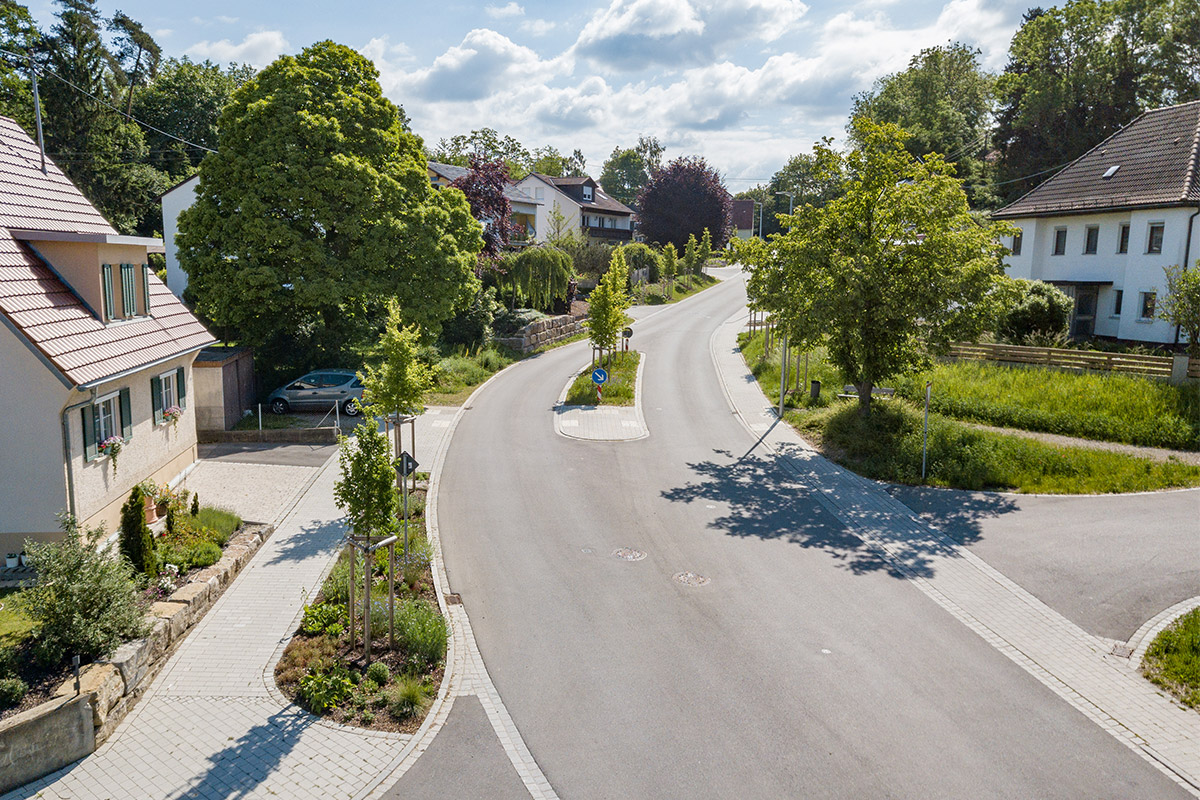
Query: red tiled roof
[[1157, 163], [43, 308], [30, 200]]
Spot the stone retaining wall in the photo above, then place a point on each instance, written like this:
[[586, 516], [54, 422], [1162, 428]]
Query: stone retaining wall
[[542, 332], [52, 735], [323, 435]]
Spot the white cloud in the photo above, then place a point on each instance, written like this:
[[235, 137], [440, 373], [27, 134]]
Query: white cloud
[[501, 12], [634, 34], [259, 49], [226, 20], [383, 52], [537, 27], [485, 62], [162, 33]]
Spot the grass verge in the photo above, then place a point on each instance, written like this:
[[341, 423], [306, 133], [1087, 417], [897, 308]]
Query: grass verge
[[888, 446], [618, 391], [1110, 407], [1172, 660], [458, 375], [15, 626], [270, 422], [681, 289]]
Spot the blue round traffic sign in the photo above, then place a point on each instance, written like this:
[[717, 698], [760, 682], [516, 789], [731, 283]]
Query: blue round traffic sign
[[599, 376]]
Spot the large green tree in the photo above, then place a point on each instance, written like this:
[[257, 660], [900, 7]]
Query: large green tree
[[18, 35], [317, 209], [893, 268], [944, 99], [627, 171], [802, 180]]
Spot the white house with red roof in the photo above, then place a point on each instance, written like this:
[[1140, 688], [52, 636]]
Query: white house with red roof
[[96, 355]]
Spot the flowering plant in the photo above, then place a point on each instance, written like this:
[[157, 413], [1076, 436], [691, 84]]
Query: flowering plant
[[172, 415], [111, 447]]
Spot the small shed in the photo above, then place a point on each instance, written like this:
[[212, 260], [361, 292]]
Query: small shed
[[224, 384]]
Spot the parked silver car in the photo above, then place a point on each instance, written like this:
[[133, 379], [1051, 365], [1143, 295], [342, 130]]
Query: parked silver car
[[318, 391]]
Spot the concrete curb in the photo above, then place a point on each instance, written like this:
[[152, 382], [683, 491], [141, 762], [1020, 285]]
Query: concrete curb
[[1140, 641]]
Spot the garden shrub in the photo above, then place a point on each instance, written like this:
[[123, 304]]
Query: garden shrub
[[407, 698], [136, 542], [1039, 309], [379, 673], [471, 325], [413, 567], [204, 554], [422, 633], [321, 691], [196, 504], [12, 691], [323, 619], [85, 602], [641, 256], [219, 523]]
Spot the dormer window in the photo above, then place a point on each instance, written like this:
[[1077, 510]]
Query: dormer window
[[587, 192]]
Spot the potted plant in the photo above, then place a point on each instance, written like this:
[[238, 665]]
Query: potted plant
[[150, 493], [172, 416], [111, 447], [11, 560], [24, 559]]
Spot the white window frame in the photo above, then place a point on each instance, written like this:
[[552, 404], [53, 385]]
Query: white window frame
[[1118, 303], [1123, 235], [165, 380], [1150, 237], [114, 398], [1017, 241], [1142, 293], [1087, 233], [587, 193], [1054, 249]]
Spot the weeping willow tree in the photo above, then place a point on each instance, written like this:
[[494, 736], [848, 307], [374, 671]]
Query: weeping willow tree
[[540, 274]]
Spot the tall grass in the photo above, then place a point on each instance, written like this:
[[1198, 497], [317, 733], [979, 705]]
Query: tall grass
[[618, 391], [887, 446], [1110, 407], [766, 370], [462, 371], [1173, 659]]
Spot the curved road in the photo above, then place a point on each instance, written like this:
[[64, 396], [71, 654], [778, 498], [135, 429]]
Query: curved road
[[803, 668]]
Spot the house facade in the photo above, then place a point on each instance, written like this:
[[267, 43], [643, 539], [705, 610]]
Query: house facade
[[524, 207], [1104, 228], [174, 201], [742, 218], [583, 205], [97, 353]]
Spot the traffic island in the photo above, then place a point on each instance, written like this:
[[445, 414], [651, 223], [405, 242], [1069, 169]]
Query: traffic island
[[612, 415]]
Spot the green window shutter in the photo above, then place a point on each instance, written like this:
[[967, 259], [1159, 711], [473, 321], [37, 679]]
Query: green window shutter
[[181, 387], [128, 291], [146, 287], [107, 276], [126, 417], [156, 399], [89, 433]]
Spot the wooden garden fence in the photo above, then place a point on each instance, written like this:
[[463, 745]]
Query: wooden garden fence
[[1156, 366]]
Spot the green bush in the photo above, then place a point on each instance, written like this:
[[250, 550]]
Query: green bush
[[640, 256], [323, 618], [407, 698], [196, 504], [337, 586], [321, 691], [1040, 309], [471, 325], [204, 554], [85, 602], [422, 633], [137, 545], [413, 568], [509, 322], [379, 673], [12, 691]]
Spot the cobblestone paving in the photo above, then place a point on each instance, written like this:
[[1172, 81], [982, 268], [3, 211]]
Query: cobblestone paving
[[213, 725], [258, 492], [1074, 664]]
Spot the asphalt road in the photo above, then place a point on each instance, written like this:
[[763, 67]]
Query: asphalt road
[[1106, 563], [802, 669]]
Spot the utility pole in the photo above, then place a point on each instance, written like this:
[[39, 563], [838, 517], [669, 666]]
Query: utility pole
[[37, 111]]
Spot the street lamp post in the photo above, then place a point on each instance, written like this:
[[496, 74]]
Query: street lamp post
[[783, 352], [791, 201]]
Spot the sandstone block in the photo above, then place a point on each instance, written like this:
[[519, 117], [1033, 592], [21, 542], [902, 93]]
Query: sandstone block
[[195, 595], [131, 659]]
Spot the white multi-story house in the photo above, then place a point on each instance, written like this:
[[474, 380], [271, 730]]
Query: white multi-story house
[[1104, 227], [583, 204]]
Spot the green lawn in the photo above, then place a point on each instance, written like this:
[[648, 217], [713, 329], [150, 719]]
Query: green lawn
[[888, 446], [681, 289], [1109, 407], [15, 627], [1173, 659], [618, 391], [459, 374], [270, 421]]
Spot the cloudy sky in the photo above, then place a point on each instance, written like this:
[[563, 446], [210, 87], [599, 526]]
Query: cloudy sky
[[745, 83]]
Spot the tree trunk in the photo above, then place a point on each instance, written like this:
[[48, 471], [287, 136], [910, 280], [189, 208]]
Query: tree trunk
[[864, 398]]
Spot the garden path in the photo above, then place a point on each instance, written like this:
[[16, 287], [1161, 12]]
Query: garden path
[[213, 725], [1152, 453]]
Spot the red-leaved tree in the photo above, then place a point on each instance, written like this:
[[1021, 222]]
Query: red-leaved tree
[[484, 187], [682, 199]]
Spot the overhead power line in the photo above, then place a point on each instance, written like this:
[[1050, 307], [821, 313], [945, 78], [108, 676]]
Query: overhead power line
[[109, 105]]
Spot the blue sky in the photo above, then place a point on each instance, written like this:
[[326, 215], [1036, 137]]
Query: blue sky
[[745, 83]]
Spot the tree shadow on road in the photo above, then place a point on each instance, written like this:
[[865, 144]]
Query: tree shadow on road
[[242, 767], [769, 498]]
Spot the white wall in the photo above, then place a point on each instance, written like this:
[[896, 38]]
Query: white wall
[[1134, 272], [32, 480], [173, 202], [550, 198]]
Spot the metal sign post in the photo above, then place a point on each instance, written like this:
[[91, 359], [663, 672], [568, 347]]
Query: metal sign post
[[406, 466], [626, 335], [599, 377], [925, 444]]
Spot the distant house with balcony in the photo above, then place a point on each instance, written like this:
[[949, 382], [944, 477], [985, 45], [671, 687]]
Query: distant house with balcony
[[524, 207], [1103, 228], [583, 204], [96, 352]]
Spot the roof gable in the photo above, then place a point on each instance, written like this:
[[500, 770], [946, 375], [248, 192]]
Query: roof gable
[[1157, 163]]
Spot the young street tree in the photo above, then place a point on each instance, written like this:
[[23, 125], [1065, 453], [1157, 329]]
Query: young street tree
[[891, 269], [682, 199], [607, 304], [315, 211], [1181, 306], [670, 267], [400, 382]]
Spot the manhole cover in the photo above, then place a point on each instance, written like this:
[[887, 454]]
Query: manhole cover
[[691, 579], [628, 554], [453, 599]]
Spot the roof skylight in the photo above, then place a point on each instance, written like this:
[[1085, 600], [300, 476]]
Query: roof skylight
[[1111, 171]]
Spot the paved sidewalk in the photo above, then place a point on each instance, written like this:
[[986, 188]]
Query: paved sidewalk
[[1074, 664], [212, 724]]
